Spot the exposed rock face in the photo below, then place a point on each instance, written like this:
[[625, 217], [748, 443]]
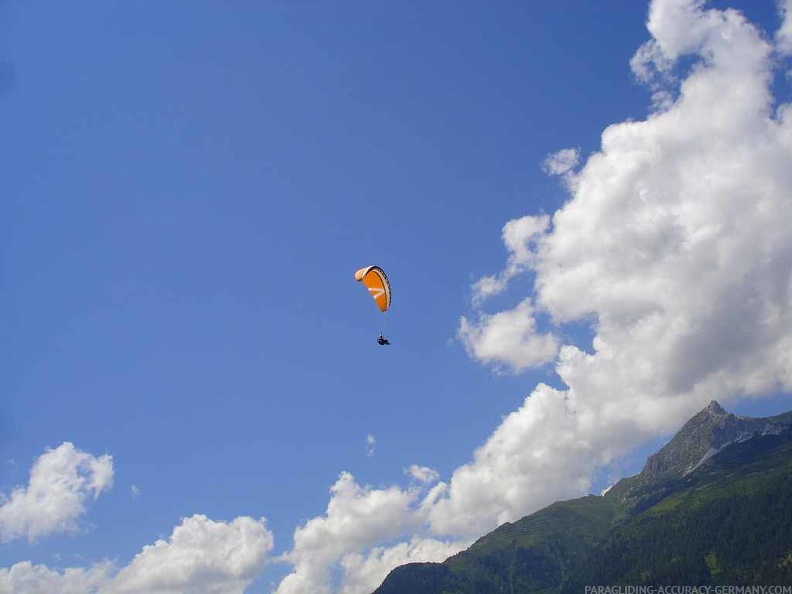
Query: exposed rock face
[[703, 436]]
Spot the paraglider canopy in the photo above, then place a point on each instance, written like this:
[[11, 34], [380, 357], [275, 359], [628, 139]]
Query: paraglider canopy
[[373, 277]]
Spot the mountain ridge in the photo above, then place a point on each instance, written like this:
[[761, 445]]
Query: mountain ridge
[[735, 462], [704, 435]]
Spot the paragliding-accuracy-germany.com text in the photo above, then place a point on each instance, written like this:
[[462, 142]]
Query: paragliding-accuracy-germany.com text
[[688, 590]]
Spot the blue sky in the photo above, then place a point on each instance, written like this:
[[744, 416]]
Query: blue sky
[[187, 193]]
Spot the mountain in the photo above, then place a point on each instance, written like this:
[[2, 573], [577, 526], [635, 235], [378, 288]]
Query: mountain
[[702, 437], [713, 506]]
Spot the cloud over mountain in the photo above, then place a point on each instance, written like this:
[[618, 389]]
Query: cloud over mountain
[[674, 245]]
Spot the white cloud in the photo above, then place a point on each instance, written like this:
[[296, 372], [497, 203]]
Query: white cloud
[[61, 481], [519, 236], [562, 161], [562, 164], [364, 573], [533, 458], [356, 518], [135, 490], [654, 69], [508, 337], [371, 445], [201, 556], [423, 474], [27, 578]]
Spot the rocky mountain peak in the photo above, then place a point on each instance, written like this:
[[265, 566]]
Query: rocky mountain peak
[[714, 409], [704, 435]]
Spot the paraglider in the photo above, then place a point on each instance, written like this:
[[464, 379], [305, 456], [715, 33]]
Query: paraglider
[[375, 280], [373, 277]]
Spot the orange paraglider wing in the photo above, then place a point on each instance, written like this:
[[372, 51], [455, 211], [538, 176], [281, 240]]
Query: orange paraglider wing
[[375, 280]]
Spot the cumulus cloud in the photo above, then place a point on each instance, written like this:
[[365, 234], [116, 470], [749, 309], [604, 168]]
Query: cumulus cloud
[[508, 337], [674, 246], [519, 236], [562, 162], [201, 556], [61, 482], [655, 70], [357, 518], [520, 467], [423, 474], [359, 535], [364, 573], [39, 579]]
